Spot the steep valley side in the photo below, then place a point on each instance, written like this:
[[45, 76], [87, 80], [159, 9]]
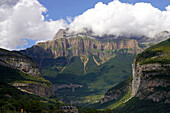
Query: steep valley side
[[148, 90], [23, 73], [96, 65]]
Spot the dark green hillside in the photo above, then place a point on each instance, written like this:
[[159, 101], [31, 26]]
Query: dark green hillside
[[75, 66], [158, 53], [9, 75], [135, 105], [112, 72], [97, 79], [95, 64], [12, 100], [51, 67], [154, 97], [121, 92]]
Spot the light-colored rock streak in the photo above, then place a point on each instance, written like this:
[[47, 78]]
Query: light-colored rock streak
[[96, 61], [85, 61], [148, 78]]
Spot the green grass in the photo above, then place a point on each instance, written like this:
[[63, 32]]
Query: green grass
[[75, 66], [97, 80], [9, 75], [135, 105], [112, 72], [120, 101], [13, 100], [124, 88], [158, 53]]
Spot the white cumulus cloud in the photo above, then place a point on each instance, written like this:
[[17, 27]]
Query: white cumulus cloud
[[123, 19], [24, 20]]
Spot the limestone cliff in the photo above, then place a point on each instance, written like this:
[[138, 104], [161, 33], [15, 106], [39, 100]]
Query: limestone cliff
[[36, 89], [150, 76], [151, 81], [82, 46], [151, 71]]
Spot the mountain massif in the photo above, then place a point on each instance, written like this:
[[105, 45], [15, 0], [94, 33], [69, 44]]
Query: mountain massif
[[120, 75], [82, 65]]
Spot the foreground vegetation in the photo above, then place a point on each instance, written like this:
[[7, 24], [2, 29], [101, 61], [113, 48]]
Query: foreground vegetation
[[135, 105], [15, 100]]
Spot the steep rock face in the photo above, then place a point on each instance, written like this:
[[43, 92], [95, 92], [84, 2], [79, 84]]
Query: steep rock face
[[24, 64], [20, 62], [150, 76], [150, 81], [151, 72], [81, 47], [36, 89]]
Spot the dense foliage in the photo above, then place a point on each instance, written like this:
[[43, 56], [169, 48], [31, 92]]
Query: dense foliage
[[135, 105], [96, 80], [11, 99], [158, 53], [9, 75]]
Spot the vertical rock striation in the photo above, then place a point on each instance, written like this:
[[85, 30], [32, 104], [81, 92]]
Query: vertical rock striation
[[151, 81], [151, 73], [81, 46]]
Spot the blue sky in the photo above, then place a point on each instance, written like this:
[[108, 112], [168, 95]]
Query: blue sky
[[58, 9], [61, 9], [24, 22]]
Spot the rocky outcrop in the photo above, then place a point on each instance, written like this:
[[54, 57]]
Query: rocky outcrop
[[63, 86], [150, 76], [151, 72], [36, 89], [20, 62], [151, 81], [26, 65]]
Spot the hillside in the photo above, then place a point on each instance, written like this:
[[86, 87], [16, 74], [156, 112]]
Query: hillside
[[151, 73], [95, 83], [149, 89], [13, 100], [82, 66], [23, 73]]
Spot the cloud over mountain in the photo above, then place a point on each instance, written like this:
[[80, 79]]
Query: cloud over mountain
[[123, 19], [23, 19]]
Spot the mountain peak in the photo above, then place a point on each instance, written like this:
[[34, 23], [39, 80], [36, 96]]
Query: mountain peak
[[67, 33]]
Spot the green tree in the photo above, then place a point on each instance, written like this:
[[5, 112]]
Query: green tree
[[34, 106]]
